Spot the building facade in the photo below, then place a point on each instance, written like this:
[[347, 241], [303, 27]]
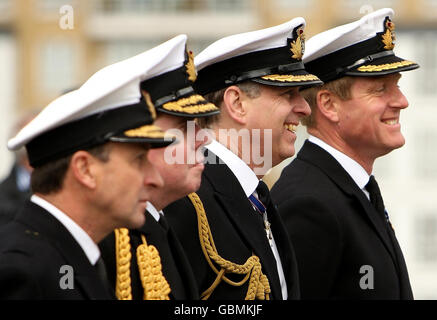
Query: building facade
[[50, 46]]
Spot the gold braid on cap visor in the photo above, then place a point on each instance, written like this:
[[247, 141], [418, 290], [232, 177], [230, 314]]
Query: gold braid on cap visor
[[387, 66], [190, 105], [290, 78], [149, 131]]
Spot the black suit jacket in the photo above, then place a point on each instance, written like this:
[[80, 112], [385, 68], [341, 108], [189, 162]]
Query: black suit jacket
[[33, 248], [11, 198], [336, 231], [175, 266], [237, 232]]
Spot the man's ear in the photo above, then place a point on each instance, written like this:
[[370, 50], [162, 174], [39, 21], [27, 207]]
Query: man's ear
[[327, 103], [233, 104], [84, 168]]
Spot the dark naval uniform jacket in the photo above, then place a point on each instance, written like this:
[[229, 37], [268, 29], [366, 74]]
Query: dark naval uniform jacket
[[237, 231], [175, 266], [11, 197], [40, 259], [342, 245]]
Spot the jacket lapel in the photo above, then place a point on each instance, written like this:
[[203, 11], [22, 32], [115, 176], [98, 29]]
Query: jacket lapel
[[191, 291], [318, 157], [230, 195], [85, 275], [286, 252]]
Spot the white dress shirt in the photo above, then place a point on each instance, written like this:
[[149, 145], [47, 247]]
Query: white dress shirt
[[249, 182], [153, 211], [353, 168], [82, 238]]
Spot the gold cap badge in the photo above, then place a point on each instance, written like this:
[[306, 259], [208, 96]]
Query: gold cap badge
[[297, 47], [389, 37], [191, 70], [149, 103]]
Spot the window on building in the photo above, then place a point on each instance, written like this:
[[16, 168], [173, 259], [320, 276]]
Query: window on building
[[119, 50], [295, 3], [57, 67], [5, 8], [115, 51], [425, 235], [367, 4], [169, 6], [226, 5], [426, 52], [53, 6], [8, 53], [419, 46], [425, 157], [431, 3]]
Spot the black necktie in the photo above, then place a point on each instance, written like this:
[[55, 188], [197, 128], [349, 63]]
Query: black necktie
[[263, 193], [163, 222], [101, 271], [378, 203], [376, 198], [263, 196]]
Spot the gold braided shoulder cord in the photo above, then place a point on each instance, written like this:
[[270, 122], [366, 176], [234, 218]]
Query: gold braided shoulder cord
[[259, 287], [123, 256], [154, 283]]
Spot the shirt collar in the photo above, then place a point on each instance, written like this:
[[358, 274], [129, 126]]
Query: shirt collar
[[153, 211], [353, 168], [244, 174], [82, 238]]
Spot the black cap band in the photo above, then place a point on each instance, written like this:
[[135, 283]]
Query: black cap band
[[167, 86], [86, 132], [335, 64], [245, 67]]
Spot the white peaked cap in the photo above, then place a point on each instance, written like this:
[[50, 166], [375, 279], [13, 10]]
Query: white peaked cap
[[239, 44], [343, 36], [271, 56], [113, 86], [102, 109], [361, 48]]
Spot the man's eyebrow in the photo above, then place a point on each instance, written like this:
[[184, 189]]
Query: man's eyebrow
[[290, 90]]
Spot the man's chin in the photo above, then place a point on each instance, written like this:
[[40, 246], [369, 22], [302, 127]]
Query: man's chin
[[137, 221], [194, 182]]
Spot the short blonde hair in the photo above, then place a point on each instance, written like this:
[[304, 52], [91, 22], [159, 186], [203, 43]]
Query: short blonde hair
[[340, 87]]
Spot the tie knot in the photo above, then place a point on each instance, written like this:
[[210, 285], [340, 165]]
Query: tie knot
[[263, 193], [372, 186], [375, 196]]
